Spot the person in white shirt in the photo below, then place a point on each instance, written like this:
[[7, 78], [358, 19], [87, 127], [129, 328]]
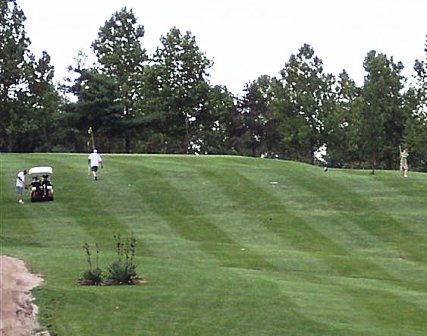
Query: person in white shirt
[[94, 161], [404, 161], [20, 185]]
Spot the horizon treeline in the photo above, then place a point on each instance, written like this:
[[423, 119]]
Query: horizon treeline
[[134, 102]]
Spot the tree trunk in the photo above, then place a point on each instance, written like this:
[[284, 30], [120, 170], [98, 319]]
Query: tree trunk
[[127, 144], [373, 163]]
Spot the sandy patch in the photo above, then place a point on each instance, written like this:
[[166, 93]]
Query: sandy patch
[[18, 313]]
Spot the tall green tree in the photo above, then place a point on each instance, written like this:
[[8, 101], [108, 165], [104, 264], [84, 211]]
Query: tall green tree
[[43, 106], [178, 80], [342, 123], [152, 134], [305, 102], [415, 132], [416, 126], [121, 54], [215, 134], [14, 57], [383, 115], [255, 106], [98, 107], [28, 99]]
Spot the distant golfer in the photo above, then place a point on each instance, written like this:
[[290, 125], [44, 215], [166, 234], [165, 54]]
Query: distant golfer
[[94, 161], [20, 185], [404, 161]]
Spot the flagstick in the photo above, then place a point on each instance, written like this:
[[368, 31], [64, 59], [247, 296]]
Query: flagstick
[[92, 138]]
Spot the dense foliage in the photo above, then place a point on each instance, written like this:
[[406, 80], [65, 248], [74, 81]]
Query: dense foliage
[[29, 103], [165, 103]]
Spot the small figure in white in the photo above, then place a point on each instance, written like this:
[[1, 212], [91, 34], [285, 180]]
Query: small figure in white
[[94, 161], [20, 185], [404, 161]]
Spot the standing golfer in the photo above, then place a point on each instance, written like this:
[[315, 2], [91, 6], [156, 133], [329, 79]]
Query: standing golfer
[[20, 185], [404, 162], [94, 161]]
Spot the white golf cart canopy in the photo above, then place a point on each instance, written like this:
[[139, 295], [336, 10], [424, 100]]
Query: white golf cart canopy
[[41, 171]]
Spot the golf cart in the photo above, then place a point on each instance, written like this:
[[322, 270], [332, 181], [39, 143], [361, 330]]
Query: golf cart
[[41, 186]]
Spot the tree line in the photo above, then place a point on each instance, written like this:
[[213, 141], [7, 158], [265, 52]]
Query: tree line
[[164, 103]]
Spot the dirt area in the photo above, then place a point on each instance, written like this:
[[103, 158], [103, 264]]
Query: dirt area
[[18, 313]]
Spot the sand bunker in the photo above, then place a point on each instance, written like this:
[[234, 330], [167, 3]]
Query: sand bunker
[[18, 314]]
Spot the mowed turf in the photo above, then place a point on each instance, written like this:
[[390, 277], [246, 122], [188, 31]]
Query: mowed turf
[[228, 246]]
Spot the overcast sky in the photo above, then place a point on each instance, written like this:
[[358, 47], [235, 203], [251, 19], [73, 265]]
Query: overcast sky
[[244, 38]]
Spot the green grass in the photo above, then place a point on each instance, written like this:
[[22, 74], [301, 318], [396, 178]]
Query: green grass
[[224, 250]]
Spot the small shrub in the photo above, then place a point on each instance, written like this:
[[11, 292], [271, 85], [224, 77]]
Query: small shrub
[[93, 275], [123, 270], [120, 272]]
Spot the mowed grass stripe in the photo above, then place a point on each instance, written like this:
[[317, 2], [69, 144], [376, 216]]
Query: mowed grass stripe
[[273, 213], [51, 220], [412, 300], [329, 305], [359, 209], [379, 248], [408, 317], [336, 256], [328, 216], [157, 234], [249, 228], [393, 267], [398, 286], [402, 199], [393, 194], [338, 298], [188, 292], [228, 303], [212, 201], [88, 203], [191, 224], [16, 227], [132, 209], [243, 227], [331, 224], [255, 201]]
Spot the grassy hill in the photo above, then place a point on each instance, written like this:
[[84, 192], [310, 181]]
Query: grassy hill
[[228, 245]]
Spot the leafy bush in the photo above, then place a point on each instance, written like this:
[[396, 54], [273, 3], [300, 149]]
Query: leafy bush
[[93, 275], [120, 272], [123, 270]]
